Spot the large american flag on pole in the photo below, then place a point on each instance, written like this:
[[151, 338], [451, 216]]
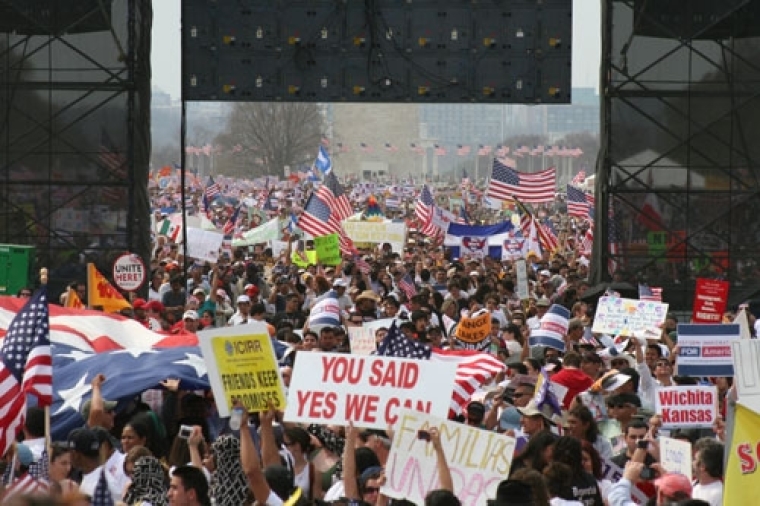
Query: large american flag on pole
[[317, 220], [507, 184], [424, 209], [26, 366], [577, 203], [473, 368]]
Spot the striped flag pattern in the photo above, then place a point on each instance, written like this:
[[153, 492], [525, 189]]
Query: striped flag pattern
[[577, 203], [508, 184], [26, 366], [650, 293], [474, 368], [424, 209], [213, 190]]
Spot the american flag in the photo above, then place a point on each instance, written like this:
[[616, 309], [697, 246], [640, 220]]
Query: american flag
[[110, 158], [315, 218], [577, 204], [463, 150], [361, 264], [579, 178], [26, 485], [473, 368], [332, 193], [364, 147], [213, 189], [416, 148], [229, 227], [424, 209], [102, 494], [650, 293], [506, 184], [484, 150], [26, 366], [586, 242], [501, 151], [40, 470], [406, 285], [390, 147], [439, 150]]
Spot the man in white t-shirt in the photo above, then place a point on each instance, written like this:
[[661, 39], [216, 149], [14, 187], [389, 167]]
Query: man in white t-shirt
[[85, 456], [708, 470]]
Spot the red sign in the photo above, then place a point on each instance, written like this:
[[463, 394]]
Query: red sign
[[710, 298]]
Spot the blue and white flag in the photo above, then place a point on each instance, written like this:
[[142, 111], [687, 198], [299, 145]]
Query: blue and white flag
[[323, 162], [553, 328], [325, 313]]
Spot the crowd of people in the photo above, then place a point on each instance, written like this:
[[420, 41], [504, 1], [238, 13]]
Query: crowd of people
[[180, 452]]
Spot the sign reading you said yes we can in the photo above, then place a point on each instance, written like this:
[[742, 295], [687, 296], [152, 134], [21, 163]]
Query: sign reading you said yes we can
[[629, 317]]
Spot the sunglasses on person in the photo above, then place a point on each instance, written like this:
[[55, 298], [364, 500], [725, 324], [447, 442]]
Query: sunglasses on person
[[371, 490], [663, 363], [620, 406], [517, 395]]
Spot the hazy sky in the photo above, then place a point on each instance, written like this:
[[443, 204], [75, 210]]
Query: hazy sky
[[166, 44]]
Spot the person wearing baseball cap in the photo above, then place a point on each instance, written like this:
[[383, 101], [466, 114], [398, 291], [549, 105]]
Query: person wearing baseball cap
[[243, 314], [670, 487], [190, 320], [85, 456]]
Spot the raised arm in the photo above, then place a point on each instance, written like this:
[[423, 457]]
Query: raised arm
[[444, 473]]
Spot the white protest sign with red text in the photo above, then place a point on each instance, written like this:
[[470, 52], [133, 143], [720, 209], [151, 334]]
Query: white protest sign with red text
[[478, 459], [370, 391], [129, 272], [687, 406], [710, 298]]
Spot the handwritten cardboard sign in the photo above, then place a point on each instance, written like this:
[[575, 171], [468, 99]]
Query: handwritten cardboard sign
[[362, 340], [479, 460], [629, 317], [370, 391], [328, 249], [687, 406], [675, 456]]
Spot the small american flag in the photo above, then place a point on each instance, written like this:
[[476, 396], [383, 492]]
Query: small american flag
[[484, 150], [25, 485], [579, 178], [362, 265], [102, 494], [473, 368], [406, 285], [463, 150], [440, 150], [213, 189], [26, 366], [650, 293]]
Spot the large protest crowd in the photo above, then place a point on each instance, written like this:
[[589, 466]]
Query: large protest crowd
[[578, 412]]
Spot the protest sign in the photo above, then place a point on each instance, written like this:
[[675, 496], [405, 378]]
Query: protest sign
[[613, 472], [522, 280], [705, 349], [479, 460], [746, 357], [743, 468], [241, 364], [687, 406], [710, 298], [626, 317], [471, 332], [475, 248], [268, 231], [675, 456], [328, 249], [204, 244], [370, 391], [362, 340], [375, 232], [304, 258]]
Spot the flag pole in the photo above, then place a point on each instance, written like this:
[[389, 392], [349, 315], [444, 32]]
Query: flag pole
[[44, 282]]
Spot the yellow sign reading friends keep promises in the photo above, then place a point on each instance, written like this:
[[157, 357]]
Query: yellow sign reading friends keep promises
[[241, 365]]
